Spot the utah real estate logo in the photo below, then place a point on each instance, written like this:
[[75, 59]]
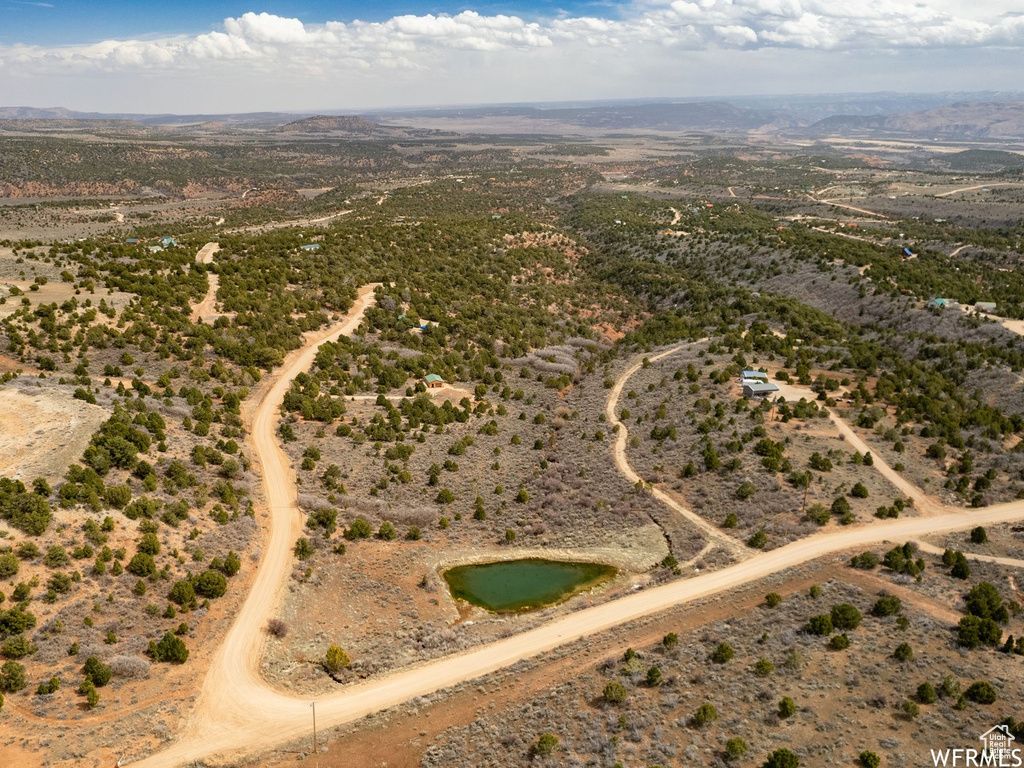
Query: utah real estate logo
[[997, 751]]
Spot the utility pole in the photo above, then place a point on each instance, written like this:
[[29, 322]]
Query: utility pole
[[316, 750]]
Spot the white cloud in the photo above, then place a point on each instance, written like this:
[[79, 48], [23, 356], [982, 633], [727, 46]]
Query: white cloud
[[736, 34], [471, 48], [267, 28]]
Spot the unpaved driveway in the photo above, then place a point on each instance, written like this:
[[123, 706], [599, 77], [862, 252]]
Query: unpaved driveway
[[207, 308], [712, 532]]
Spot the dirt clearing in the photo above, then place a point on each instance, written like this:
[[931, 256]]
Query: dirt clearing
[[43, 429]]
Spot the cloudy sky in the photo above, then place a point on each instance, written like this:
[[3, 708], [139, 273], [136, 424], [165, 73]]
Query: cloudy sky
[[209, 56]]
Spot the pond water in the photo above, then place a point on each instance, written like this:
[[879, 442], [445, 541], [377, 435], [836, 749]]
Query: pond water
[[522, 585]]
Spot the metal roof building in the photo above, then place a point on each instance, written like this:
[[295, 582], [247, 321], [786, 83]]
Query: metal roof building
[[759, 389]]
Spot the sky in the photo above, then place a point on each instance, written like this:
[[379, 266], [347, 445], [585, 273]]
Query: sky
[[217, 56]]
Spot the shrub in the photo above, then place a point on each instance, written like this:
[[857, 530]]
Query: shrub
[[887, 605], [387, 531], [17, 647], [845, 616], [865, 560], [16, 620], [670, 641], [859, 491], [985, 602], [232, 564], [961, 568], [117, 496], [277, 628], [758, 540], [903, 652], [763, 668], [910, 709], [704, 715], [773, 599], [96, 671], [9, 565], [303, 549], [545, 745], [210, 584], [926, 693], [782, 758], [358, 529], [12, 677], [981, 692], [149, 544], [787, 707], [949, 687], [141, 565], [183, 593], [722, 653], [840, 506], [27, 550], [979, 535], [171, 649], [820, 625], [736, 747], [818, 514], [336, 660], [56, 557], [324, 518], [414, 533], [614, 692], [129, 667], [869, 759], [92, 697], [654, 677], [973, 632], [839, 642]]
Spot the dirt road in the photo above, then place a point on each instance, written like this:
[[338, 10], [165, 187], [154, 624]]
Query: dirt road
[[712, 532], [272, 225], [207, 308], [233, 685], [976, 186], [1009, 561], [866, 212], [923, 503]]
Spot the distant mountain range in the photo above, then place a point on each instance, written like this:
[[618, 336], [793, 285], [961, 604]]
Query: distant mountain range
[[965, 120], [949, 116]]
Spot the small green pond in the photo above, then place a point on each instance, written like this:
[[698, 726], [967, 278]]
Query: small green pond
[[521, 585]]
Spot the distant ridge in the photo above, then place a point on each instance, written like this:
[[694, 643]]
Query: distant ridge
[[998, 120], [60, 113], [707, 115], [985, 117], [329, 124]]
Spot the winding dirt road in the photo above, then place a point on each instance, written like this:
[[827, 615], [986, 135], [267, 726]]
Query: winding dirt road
[[233, 685], [976, 186], [207, 308], [239, 714], [712, 532]]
